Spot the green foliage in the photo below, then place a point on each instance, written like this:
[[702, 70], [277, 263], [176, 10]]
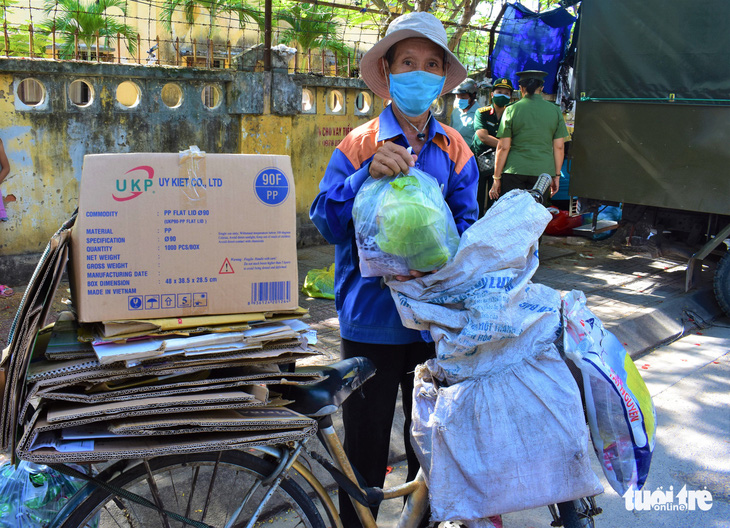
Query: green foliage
[[19, 42], [248, 13], [545, 5], [311, 27], [5, 6], [86, 18], [188, 8], [215, 8]]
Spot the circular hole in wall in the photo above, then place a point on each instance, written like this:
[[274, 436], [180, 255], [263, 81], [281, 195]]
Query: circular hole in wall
[[211, 96], [308, 105], [31, 92], [80, 92], [128, 94], [172, 95], [363, 103], [335, 102]]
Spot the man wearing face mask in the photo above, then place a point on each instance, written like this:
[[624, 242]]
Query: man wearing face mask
[[462, 117], [412, 65], [486, 124]]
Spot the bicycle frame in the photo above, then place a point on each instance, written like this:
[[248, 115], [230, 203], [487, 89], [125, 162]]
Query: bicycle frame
[[416, 490]]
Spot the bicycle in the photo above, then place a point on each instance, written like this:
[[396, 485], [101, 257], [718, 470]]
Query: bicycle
[[275, 479], [272, 480]]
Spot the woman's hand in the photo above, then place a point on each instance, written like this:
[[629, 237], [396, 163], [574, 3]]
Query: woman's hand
[[390, 160], [554, 185], [496, 187], [414, 274]]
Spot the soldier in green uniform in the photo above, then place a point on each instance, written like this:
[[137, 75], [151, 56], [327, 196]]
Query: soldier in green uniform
[[486, 124], [531, 139]]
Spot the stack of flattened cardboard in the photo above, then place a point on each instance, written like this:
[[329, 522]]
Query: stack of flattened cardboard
[[155, 395], [31, 315], [186, 375]]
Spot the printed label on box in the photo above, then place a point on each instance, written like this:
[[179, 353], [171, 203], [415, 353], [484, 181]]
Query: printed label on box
[[150, 240]]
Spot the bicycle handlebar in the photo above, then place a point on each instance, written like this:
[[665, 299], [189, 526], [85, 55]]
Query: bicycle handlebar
[[541, 186]]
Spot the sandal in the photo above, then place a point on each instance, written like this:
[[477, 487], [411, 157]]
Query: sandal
[[5, 291]]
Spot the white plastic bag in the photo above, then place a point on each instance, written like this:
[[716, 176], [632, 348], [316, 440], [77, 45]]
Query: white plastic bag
[[620, 411], [403, 223]]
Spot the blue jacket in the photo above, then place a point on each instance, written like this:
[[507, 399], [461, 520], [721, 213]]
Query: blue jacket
[[365, 308]]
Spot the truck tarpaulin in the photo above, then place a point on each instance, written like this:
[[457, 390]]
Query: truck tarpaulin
[[531, 41]]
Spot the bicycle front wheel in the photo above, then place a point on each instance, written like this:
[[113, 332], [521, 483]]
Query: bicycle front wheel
[[571, 516], [205, 487]]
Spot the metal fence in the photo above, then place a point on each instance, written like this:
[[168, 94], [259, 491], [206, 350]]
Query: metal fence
[[329, 38]]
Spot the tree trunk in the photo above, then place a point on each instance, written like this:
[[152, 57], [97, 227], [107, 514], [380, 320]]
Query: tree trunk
[[469, 9]]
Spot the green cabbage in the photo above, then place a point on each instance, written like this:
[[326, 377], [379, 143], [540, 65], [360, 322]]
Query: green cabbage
[[412, 225]]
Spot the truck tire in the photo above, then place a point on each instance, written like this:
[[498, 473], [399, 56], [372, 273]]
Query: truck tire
[[722, 283]]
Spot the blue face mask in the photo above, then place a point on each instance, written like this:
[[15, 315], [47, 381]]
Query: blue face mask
[[414, 91], [463, 103]]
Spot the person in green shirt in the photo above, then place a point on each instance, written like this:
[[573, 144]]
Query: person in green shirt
[[486, 125], [531, 140]]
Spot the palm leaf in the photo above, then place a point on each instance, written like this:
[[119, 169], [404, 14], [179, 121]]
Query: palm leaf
[[86, 19]]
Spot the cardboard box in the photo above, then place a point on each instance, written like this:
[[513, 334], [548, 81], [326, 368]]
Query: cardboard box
[[168, 235]]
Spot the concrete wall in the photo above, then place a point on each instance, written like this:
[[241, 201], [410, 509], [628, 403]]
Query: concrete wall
[[258, 113]]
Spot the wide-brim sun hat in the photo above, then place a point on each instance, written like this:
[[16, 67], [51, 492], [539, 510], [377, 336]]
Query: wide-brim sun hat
[[410, 25]]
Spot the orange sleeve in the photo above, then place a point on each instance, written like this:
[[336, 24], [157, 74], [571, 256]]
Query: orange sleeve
[[456, 148], [360, 144]]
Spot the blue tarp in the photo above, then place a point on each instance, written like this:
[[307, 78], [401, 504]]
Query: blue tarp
[[531, 41]]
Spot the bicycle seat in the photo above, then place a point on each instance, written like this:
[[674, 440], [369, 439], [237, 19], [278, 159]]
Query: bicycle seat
[[325, 397]]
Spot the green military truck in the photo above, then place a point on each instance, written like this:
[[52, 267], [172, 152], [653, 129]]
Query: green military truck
[[652, 122]]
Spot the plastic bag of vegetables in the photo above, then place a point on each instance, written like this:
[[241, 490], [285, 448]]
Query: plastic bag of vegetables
[[31, 494], [402, 223], [320, 283]]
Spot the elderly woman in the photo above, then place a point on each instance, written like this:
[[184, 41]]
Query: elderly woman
[[531, 139], [412, 66]]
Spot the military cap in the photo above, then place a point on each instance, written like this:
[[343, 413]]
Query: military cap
[[503, 82], [531, 74]]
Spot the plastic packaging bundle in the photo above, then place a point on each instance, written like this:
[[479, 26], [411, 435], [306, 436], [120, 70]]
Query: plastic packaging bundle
[[619, 408], [402, 223], [31, 495], [320, 283]]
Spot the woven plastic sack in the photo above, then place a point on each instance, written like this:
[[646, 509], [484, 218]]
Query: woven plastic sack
[[31, 495], [619, 408], [498, 424], [402, 223], [320, 283]]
